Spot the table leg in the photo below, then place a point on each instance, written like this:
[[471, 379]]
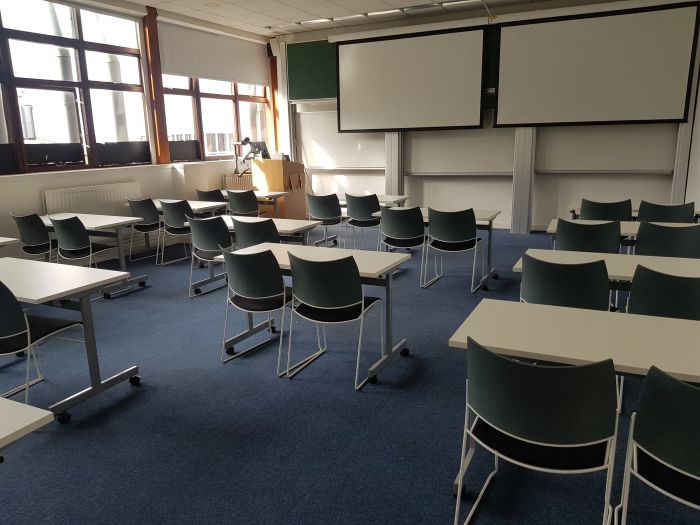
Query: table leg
[[490, 268], [97, 385], [123, 286], [250, 331]]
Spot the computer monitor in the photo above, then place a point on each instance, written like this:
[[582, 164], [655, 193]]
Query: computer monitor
[[261, 148]]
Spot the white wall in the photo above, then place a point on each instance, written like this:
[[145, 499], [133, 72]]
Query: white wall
[[354, 182]]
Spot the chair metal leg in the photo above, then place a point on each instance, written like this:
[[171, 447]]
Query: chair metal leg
[[359, 385], [31, 354], [279, 349], [438, 274], [294, 369], [624, 502]]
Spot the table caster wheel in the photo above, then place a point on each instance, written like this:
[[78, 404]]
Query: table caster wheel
[[273, 329], [335, 242], [107, 295], [20, 354], [2, 459], [485, 287], [135, 380], [405, 352], [230, 351], [495, 276], [142, 284], [197, 291], [63, 418], [372, 380]]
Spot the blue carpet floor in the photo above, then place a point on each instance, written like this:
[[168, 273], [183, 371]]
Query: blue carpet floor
[[202, 442]]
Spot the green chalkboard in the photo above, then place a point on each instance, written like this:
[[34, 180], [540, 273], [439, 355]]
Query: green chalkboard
[[312, 70]]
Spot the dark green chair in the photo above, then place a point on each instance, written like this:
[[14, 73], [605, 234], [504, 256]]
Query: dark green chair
[[668, 241], [360, 210], [209, 237], [451, 232], [403, 228], [74, 240], [663, 295], [255, 286], [150, 223], [606, 211], [663, 446], [329, 292], [20, 332], [552, 419], [252, 233], [582, 285], [175, 216], [211, 196], [243, 202], [34, 236], [581, 237], [652, 212], [325, 208]]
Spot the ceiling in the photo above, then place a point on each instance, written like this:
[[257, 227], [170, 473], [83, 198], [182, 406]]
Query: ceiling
[[275, 17]]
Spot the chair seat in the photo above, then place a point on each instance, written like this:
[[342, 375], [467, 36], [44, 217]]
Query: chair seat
[[207, 255], [84, 252], [364, 223], [147, 228], [327, 222], [404, 243], [262, 305], [555, 458], [668, 479], [184, 230], [453, 246], [334, 315], [39, 328], [39, 249]]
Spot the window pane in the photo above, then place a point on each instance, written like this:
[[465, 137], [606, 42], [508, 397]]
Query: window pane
[[218, 126], [108, 67], [38, 16], [179, 117], [107, 29], [217, 87], [176, 82], [253, 120], [4, 137], [48, 117], [43, 61], [118, 115], [252, 90]]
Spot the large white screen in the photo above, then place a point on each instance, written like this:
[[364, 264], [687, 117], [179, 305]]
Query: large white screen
[[629, 67], [416, 82]]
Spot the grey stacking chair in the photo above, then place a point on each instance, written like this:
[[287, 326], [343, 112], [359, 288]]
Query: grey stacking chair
[[451, 232], [74, 241], [580, 237], [606, 211], [662, 448], [329, 292], [255, 286], [252, 233], [668, 241], [663, 295], [210, 196], [174, 218], [582, 285], [20, 332], [403, 228], [325, 208], [359, 216], [243, 203], [34, 236], [150, 223], [209, 237], [553, 419], [652, 212]]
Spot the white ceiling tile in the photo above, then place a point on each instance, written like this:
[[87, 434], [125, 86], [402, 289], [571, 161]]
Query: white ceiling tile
[[326, 10], [406, 3]]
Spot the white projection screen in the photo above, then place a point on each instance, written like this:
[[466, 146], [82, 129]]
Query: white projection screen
[[614, 68], [417, 82]]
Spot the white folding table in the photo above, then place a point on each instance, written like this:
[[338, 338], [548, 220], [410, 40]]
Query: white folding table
[[17, 420], [197, 206], [39, 282], [627, 228], [385, 200], [264, 197]]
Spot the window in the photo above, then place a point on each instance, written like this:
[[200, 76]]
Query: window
[[180, 117], [107, 67], [253, 119], [38, 16], [31, 60], [176, 82], [105, 29], [218, 127], [252, 90], [216, 87]]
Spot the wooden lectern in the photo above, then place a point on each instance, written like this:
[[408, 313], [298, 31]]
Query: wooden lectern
[[282, 175]]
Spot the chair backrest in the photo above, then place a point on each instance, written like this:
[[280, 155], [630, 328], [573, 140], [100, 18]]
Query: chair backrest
[[451, 226], [12, 320], [209, 234], [326, 284], [663, 295], [210, 196], [324, 206], [71, 233], [606, 211], [652, 212], [361, 207], [402, 223], [582, 285], [32, 230], [146, 209], [175, 213], [668, 241], [667, 424], [254, 275], [557, 405], [579, 237], [242, 202], [252, 233]]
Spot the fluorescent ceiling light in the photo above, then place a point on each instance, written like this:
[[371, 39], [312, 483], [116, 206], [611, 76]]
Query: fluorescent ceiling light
[[317, 21], [349, 18]]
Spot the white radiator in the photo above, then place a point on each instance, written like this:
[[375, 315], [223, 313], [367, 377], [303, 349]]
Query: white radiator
[[105, 199], [238, 182]]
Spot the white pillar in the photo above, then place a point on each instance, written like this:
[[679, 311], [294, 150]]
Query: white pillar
[[523, 179], [393, 171]]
